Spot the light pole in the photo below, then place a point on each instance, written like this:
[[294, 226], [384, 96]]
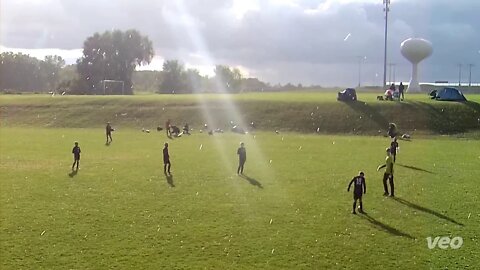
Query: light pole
[[360, 58], [386, 9], [459, 74], [470, 74], [391, 70]]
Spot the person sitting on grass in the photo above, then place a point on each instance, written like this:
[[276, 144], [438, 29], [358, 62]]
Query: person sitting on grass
[[186, 129], [76, 155], [359, 188]]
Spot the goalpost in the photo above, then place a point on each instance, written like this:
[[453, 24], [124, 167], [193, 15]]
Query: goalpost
[[112, 87]]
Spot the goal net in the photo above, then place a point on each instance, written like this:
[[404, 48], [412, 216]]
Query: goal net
[[113, 87]]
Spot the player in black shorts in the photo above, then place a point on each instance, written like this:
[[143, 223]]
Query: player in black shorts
[[242, 158], [359, 186], [166, 159], [76, 155], [394, 149], [108, 130]]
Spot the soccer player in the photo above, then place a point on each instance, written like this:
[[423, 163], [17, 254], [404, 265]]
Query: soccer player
[[167, 128], [242, 157], [108, 130], [359, 186], [166, 159], [394, 148], [388, 174], [392, 130], [76, 155]]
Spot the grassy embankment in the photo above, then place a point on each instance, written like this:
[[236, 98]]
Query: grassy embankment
[[299, 112]]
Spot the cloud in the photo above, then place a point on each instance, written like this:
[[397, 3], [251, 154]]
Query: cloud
[[278, 41]]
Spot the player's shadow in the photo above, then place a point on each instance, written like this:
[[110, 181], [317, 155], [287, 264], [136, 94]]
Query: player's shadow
[[107, 144], [384, 227], [252, 181], [426, 210], [73, 173], [169, 178], [415, 168]]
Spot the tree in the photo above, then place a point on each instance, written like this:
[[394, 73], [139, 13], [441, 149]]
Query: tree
[[22, 72], [51, 67], [113, 56], [173, 78], [227, 80]]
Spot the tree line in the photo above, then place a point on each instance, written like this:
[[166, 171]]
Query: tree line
[[108, 66]]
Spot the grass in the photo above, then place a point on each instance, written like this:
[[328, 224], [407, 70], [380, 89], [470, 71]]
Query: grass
[[292, 212], [304, 112]]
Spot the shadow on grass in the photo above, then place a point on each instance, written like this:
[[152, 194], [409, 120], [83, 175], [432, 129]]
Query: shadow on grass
[[426, 210], [473, 105], [368, 111], [107, 144], [384, 227], [252, 181], [415, 168], [72, 174], [169, 178]]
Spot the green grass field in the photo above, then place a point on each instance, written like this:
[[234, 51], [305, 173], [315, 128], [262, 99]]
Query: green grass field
[[292, 211]]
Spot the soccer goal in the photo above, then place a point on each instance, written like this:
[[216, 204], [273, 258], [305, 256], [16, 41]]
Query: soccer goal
[[113, 87]]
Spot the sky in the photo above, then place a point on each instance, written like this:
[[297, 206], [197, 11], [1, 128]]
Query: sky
[[322, 42]]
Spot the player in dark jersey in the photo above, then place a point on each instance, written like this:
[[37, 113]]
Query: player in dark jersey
[[359, 188], [394, 148], [108, 131], [167, 127], [76, 155], [166, 159], [242, 158], [392, 130]]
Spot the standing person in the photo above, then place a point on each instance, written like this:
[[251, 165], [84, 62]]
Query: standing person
[[76, 155], [167, 128], [166, 159], [108, 131], [401, 89], [388, 174], [392, 87], [392, 130], [359, 187], [242, 157], [394, 149]]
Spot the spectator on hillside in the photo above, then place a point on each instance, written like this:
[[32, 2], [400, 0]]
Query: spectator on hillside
[[401, 89]]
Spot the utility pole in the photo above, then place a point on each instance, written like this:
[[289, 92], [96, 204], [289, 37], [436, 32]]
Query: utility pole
[[360, 59], [459, 74], [386, 9], [470, 74]]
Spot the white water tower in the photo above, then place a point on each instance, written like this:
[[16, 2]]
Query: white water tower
[[415, 50]]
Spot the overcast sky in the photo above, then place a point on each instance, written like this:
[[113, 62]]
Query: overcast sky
[[298, 41]]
